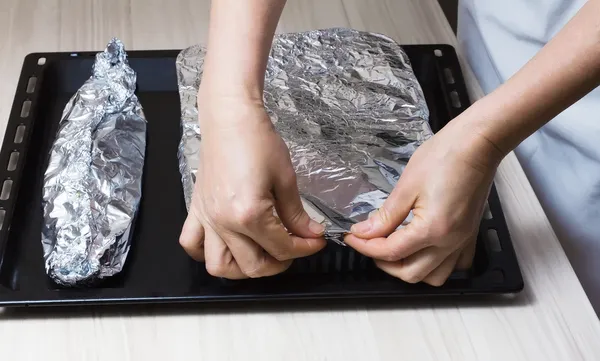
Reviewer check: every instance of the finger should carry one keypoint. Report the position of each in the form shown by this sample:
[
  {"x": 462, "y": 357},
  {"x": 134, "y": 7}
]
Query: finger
[
  {"x": 272, "y": 236},
  {"x": 192, "y": 237},
  {"x": 219, "y": 260},
  {"x": 291, "y": 211},
  {"x": 465, "y": 259},
  {"x": 394, "y": 211},
  {"x": 251, "y": 258},
  {"x": 400, "y": 244},
  {"x": 438, "y": 276},
  {"x": 416, "y": 267}
]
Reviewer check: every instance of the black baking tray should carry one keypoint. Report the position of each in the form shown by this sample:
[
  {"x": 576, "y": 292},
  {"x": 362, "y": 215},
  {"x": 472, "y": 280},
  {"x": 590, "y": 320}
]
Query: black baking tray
[{"x": 157, "y": 269}]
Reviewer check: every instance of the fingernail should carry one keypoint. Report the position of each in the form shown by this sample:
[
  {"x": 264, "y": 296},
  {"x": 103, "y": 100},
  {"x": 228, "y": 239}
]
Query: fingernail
[
  {"x": 316, "y": 227},
  {"x": 361, "y": 227}
]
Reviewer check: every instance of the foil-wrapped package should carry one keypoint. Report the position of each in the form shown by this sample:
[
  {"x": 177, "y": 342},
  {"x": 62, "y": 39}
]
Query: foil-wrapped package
[
  {"x": 348, "y": 106},
  {"x": 93, "y": 182}
]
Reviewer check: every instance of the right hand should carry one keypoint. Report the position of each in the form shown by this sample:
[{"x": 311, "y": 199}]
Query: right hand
[
  {"x": 445, "y": 185},
  {"x": 245, "y": 173}
]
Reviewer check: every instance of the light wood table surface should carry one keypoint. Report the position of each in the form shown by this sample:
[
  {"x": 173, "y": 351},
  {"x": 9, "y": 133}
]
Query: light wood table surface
[{"x": 550, "y": 320}]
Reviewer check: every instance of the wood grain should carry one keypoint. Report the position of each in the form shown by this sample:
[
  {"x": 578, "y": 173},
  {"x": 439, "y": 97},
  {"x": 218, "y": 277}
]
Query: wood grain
[{"x": 551, "y": 320}]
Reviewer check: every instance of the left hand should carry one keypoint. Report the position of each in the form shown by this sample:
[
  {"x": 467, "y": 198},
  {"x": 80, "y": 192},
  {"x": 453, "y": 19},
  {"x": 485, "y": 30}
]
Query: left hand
[
  {"x": 231, "y": 224},
  {"x": 445, "y": 184}
]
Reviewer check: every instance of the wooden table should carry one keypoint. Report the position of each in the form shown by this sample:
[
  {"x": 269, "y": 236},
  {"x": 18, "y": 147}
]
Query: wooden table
[{"x": 551, "y": 320}]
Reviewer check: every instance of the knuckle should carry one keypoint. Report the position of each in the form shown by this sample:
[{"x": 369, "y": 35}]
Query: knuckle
[
  {"x": 256, "y": 271},
  {"x": 395, "y": 253},
  {"x": 436, "y": 282},
  {"x": 282, "y": 256},
  {"x": 217, "y": 269},
  {"x": 412, "y": 277},
  {"x": 191, "y": 246},
  {"x": 265, "y": 268},
  {"x": 298, "y": 214},
  {"x": 217, "y": 215},
  {"x": 384, "y": 215},
  {"x": 242, "y": 210},
  {"x": 254, "y": 274},
  {"x": 392, "y": 256},
  {"x": 244, "y": 213},
  {"x": 184, "y": 241},
  {"x": 411, "y": 274},
  {"x": 438, "y": 230}
]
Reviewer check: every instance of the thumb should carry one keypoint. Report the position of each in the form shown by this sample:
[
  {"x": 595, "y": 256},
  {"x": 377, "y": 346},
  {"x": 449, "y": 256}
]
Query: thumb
[
  {"x": 386, "y": 219},
  {"x": 291, "y": 211},
  {"x": 192, "y": 237}
]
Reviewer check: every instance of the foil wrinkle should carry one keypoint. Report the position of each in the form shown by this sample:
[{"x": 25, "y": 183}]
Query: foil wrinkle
[
  {"x": 93, "y": 181},
  {"x": 347, "y": 104}
]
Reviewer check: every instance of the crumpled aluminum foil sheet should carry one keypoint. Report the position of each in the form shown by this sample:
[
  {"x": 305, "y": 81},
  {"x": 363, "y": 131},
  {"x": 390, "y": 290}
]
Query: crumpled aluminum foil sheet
[
  {"x": 93, "y": 182},
  {"x": 348, "y": 106}
]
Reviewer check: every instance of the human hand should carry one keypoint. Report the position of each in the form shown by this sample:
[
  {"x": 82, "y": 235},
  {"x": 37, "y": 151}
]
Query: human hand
[
  {"x": 445, "y": 184},
  {"x": 245, "y": 174}
]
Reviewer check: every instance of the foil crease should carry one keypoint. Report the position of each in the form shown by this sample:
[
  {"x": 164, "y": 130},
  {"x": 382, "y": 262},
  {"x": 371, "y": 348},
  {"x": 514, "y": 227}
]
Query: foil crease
[
  {"x": 347, "y": 104},
  {"x": 93, "y": 182}
]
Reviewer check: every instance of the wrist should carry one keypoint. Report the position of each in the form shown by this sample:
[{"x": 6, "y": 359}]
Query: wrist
[
  {"x": 229, "y": 109},
  {"x": 476, "y": 140},
  {"x": 227, "y": 73},
  {"x": 217, "y": 84},
  {"x": 220, "y": 86}
]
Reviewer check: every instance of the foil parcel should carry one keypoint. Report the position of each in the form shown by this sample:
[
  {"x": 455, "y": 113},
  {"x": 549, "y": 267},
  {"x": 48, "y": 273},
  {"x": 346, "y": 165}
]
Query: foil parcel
[
  {"x": 92, "y": 185},
  {"x": 347, "y": 104}
]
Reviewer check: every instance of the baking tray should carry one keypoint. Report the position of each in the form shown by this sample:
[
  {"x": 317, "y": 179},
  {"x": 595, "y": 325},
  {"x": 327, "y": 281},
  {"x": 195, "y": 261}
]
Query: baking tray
[{"x": 157, "y": 269}]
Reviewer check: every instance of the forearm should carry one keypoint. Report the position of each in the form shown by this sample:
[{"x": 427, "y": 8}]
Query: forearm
[
  {"x": 239, "y": 41},
  {"x": 565, "y": 70}
]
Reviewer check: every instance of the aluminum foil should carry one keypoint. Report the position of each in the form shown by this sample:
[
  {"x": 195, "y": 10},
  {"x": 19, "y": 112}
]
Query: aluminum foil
[
  {"x": 93, "y": 183},
  {"x": 349, "y": 108}
]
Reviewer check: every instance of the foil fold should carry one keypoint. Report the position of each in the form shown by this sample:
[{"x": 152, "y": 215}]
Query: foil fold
[
  {"x": 347, "y": 104},
  {"x": 93, "y": 181}
]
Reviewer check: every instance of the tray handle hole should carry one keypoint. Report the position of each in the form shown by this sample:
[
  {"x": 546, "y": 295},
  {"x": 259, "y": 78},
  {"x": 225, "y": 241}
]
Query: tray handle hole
[
  {"x": 438, "y": 53},
  {"x": 455, "y": 99},
  {"x": 25, "y": 108},
  {"x": 449, "y": 76},
  {"x": 19, "y": 134},
  {"x": 13, "y": 161},
  {"x": 41, "y": 61},
  {"x": 31, "y": 84},
  {"x": 6, "y": 187},
  {"x": 487, "y": 213},
  {"x": 2, "y": 215},
  {"x": 493, "y": 240}
]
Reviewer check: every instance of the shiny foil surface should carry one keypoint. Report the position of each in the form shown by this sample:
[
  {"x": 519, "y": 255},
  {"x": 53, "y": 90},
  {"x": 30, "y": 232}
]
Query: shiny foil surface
[
  {"x": 349, "y": 108},
  {"x": 93, "y": 182}
]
